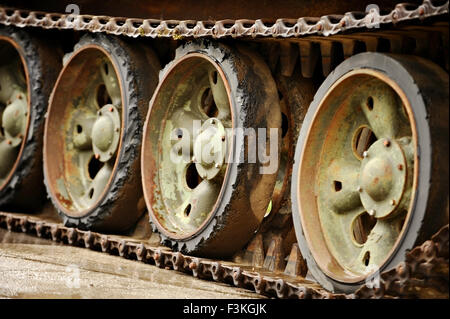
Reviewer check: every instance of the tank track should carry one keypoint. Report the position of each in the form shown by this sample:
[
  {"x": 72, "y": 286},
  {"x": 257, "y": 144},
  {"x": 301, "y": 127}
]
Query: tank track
[
  {"x": 284, "y": 28},
  {"x": 424, "y": 274},
  {"x": 425, "y": 271}
]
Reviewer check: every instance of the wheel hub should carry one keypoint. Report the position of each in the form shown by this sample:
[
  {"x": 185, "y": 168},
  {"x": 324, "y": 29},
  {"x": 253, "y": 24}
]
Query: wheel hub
[
  {"x": 106, "y": 132},
  {"x": 383, "y": 177},
  {"x": 13, "y": 116},
  {"x": 210, "y": 148}
]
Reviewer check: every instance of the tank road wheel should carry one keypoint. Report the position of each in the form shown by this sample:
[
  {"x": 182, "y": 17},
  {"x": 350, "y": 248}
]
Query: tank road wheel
[
  {"x": 371, "y": 167},
  {"x": 201, "y": 199},
  {"x": 93, "y": 133},
  {"x": 25, "y": 62}
]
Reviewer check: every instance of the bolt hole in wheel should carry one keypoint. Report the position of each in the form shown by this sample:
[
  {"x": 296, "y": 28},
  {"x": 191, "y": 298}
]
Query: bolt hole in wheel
[
  {"x": 208, "y": 104},
  {"x": 363, "y": 139},
  {"x": 94, "y": 167},
  {"x": 366, "y": 258},
  {"x": 184, "y": 193},
  {"x": 13, "y": 108},
  {"x": 370, "y": 103},
  {"x": 193, "y": 179},
  {"x": 362, "y": 226},
  {"x": 358, "y": 138},
  {"x": 337, "y": 186},
  {"x": 84, "y": 134},
  {"x": 103, "y": 97}
]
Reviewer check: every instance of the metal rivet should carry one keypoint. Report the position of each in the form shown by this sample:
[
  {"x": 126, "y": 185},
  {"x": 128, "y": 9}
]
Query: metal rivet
[
  {"x": 97, "y": 156},
  {"x": 365, "y": 154},
  {"x": 371, "y": 212},
  {"x": 9, "y": 142},
  {"x": 400, "y": 167},
  {"x": 392, "y": 202},
  {"x": 217, "y": 165},
  {"x": 19, "y": 96},
  {"x": 387, "y": 143},
  {"x": 111, "y": 109},
  {"x": 359, "y": 189},
  {"x": 193, "y": 159},
  {"x": 223, "y": 138}
]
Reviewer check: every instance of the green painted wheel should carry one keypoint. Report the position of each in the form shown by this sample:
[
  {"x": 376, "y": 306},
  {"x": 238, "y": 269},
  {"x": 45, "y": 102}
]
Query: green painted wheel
[
  {"x": 200, "y": 199},
  {"x": 23, "y": 102},
  {"x": 362, "y": 195},
  {"x": 92, "y": 136}
]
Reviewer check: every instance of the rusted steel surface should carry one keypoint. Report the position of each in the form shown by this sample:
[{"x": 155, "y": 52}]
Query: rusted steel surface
[
  {"x": 425, "y": 268},
  {"x": 283, "y": 27}
]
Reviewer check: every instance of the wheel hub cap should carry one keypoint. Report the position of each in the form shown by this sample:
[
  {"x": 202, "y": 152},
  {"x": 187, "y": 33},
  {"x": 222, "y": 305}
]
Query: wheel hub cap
[
  {"x": 382, "y": 178},
  {"x": 106, "y": 132},
  {"x": 210, "y": 148}
]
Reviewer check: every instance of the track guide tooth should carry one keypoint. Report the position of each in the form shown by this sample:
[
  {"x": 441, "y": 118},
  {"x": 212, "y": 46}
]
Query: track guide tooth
[
  {"x": 254, "y": 253},
  {"x": 309, "y": 55},
  {"x": 288, "y": 58},
  {"x": 274, "y": 260},
  {"x": 296, "y": 265},
  {"x": 331, "y": 53}
]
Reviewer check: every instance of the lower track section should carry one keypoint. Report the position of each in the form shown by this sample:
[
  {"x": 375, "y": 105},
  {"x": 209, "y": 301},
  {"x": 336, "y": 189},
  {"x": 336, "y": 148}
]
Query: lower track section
[{"x": 424, "y": 274}]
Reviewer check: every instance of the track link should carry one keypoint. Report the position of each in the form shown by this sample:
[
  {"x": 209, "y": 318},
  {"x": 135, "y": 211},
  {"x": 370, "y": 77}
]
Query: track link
[
  {"x": 424, "y": 274},
  {"x": 285, "y": 28}
]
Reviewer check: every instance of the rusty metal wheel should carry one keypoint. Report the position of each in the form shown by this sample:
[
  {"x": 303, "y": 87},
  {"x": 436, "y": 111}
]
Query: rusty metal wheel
[
  {"x": 371, "y": 167},
  {"x": 200, "y": 198},
  {"x": 28, "y": 69},
  {"x": 93, "y": 132}
]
